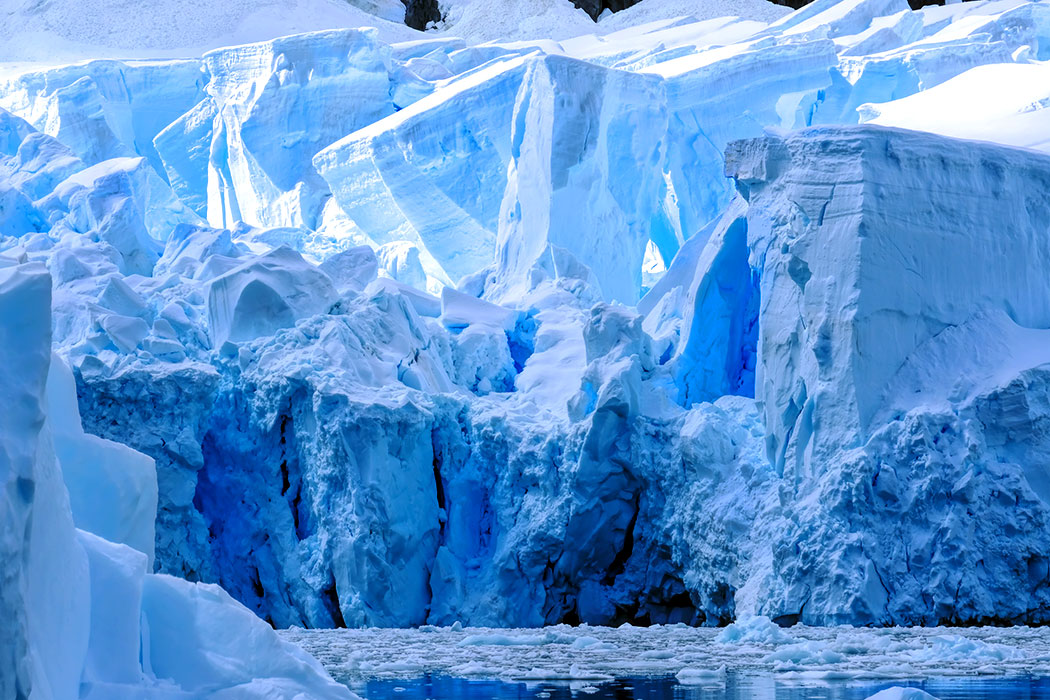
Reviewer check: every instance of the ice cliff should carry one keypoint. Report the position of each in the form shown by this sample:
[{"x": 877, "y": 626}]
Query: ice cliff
[
  {"x": 82, "y": 615},
  {"x": 648, "y": 327}
]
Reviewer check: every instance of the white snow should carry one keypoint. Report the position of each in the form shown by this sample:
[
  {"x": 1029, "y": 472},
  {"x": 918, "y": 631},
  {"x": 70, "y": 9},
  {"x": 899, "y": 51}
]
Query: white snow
[
  {"x": 71, "y": 30},
  {"x": 1014, "y": 108}
]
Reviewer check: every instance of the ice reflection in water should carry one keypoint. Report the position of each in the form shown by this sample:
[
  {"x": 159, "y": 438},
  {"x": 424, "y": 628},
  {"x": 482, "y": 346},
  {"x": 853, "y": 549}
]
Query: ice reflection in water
[{"x": 738, "y": 686}]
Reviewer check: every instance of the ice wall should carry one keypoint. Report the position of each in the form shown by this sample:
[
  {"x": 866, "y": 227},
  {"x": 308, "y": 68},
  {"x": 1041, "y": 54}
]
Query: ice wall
[
  {"x": 84, "y": 618},
  {"x": 876, "y": 412},
  {"x": 439, "y": 332}
]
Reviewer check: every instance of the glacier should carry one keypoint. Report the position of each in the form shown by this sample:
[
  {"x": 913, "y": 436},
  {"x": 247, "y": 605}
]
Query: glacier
[{"x": 694, "y": 322}]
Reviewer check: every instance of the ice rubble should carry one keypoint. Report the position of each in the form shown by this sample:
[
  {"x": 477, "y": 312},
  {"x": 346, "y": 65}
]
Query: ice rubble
[
  {"x": 770, "y": 658},
  {"x": 83, "y": 618},
  {"x": 378, "y": 314}
]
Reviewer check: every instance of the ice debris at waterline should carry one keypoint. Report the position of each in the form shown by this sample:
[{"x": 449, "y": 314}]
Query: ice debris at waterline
[
  {"x": 701, "y": 656},
  {"x": 644, "y": 328}
]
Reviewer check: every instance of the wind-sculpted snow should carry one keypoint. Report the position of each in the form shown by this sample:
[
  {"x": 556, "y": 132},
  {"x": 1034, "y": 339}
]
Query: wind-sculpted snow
[{"x": 523, "y": 334}]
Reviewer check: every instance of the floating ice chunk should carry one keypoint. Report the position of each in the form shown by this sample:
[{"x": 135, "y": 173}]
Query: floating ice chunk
[
  {"x": 700, "y": 676},
  {"x": 574, "y": 673},
  {"x": 951, "y": 647},
  {"x": 507, "y": 640},
  {"x": 804, "y": 653},
  {"x": 267, "y": 293},
  {"x": 44, "y": 586},
  {"x": 755, "y": 629},
  {"x": 206, "y": 642},
  {"x": 899, "y": 693}
]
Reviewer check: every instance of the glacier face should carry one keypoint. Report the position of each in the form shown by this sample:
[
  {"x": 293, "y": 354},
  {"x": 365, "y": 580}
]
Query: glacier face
[{"x": 529, "y": 333}]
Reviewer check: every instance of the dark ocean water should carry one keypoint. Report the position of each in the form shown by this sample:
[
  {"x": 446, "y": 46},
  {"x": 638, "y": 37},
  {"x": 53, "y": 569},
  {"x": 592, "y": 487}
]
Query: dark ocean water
[{"x": 738, "y": 686}]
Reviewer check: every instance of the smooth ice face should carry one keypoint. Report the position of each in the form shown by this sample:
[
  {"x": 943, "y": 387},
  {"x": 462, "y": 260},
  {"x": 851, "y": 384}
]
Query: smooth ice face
[
  {"x": 725, "y": 93},
  {"x": 586, "y": 145},
  {"x": 44, "y": 590},
  {"x": 265, "y": 99},
  {"x": 112, "y": 488},
  {"x": 433, "y": 173}
]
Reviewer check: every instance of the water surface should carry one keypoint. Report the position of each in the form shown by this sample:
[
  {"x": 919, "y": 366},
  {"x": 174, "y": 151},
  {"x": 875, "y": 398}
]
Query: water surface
[{"x": 737, "y": 686}]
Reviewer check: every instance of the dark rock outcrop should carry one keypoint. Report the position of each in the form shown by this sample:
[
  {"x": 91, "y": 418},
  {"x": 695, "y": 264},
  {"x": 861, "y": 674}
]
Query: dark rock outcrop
[
  {"x": 595, "y": 7},
  {"x": 420, "y": 13}
]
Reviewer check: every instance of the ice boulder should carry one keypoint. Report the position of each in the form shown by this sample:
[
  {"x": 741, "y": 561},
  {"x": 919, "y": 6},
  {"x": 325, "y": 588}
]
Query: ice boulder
[
  {"x": 31, "y": 162},
  {"x": 267, "y": 293},
  {"x": 121, "y": 202},
  {"x": 899, "y": 693},
  {"x": 351, "y": 270}
]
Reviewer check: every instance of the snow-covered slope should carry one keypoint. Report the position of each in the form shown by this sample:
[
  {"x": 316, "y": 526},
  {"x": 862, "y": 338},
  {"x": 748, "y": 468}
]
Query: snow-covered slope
[
  {"x": 581, "y": 330},
  {"x": 61, "y": 31}
]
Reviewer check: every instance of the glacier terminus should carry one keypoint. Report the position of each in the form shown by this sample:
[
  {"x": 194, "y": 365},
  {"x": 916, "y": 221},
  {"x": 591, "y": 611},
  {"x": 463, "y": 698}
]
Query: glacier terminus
[{"x": 683, "y": 321}]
